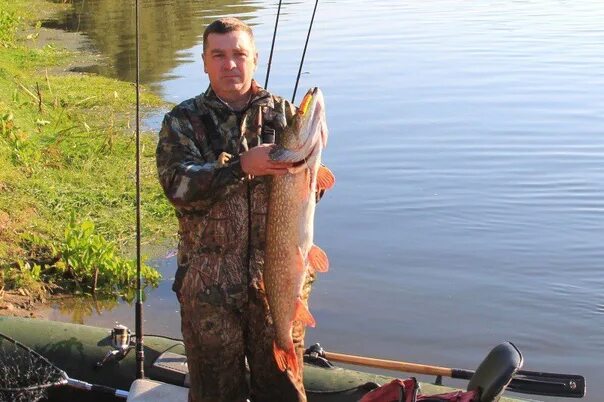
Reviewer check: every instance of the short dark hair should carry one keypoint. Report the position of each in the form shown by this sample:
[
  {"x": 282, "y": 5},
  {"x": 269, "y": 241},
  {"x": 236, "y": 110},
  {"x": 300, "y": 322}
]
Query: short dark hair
[{"x": 226, "y": 25}]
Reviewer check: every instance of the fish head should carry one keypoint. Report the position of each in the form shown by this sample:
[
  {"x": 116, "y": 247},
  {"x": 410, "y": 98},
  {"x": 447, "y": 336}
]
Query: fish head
[{"x": 307, "y": 133}]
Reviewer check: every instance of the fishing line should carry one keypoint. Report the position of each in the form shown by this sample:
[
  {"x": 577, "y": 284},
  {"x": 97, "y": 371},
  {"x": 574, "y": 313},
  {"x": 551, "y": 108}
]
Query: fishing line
[
  {"x": 304, "y": 52},
  {"x": 140, "y": 354},
  {"x": 270, "y": 57}
]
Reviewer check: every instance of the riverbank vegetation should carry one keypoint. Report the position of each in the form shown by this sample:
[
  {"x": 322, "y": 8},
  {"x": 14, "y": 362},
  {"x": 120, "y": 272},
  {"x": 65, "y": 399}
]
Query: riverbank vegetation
[{"x": 67, "y": 168}]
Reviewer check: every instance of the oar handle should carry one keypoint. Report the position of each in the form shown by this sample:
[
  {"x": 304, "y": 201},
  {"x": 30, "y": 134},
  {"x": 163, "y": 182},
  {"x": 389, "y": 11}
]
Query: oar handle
[
  {"x": 528, "y": 382},
  {"x": 389, "y": 364}
]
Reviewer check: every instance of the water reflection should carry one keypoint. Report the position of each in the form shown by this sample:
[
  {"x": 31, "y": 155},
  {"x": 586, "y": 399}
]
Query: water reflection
[
  {"x": 165, "y": 317},
  {"x": 78, "y": 309},
  {"x": 110, "y": 24}
]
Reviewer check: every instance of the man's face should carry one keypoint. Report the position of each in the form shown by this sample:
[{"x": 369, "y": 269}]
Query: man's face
[{"x": 230, "y": 61}]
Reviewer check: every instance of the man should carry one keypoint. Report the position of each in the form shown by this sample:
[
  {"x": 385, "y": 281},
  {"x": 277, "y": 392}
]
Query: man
[{"x": 213, "y": 165}]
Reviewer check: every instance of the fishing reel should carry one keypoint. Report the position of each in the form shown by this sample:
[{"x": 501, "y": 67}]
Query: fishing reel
[
  {"x": 121, "y": 340},
  {"x": 315, "y": 355}
]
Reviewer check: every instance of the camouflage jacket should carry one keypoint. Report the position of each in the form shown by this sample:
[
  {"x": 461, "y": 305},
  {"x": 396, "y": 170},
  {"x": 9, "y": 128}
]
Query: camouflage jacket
[{"x": 221, "y": 213}]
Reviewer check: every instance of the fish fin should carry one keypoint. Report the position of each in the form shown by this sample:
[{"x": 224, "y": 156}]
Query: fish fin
[
  {"x": 318, "y": 259},
  {"x": 302, "y": 314},
  {"x": 286, "y": 359},
  {"x": 300, "y": 261},
  {"x": 325, "y": 178}
]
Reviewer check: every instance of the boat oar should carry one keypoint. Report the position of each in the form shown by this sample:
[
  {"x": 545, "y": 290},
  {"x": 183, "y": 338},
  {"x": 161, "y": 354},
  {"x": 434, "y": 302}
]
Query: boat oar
[{"x": 527, "y": 382}]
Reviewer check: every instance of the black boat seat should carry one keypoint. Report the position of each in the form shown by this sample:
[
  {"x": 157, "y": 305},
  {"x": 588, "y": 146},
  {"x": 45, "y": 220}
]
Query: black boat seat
[
  {"x": 172, "y": 368},
  {"x": 143, "y": 390},
  {"x": 496, "y": 371}
]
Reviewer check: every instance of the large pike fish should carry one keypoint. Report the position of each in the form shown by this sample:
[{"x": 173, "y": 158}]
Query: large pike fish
[{"x": 290, "y": 252}]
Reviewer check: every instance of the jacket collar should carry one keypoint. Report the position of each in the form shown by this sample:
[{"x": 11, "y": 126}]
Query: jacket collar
[{"x": 260, "y": 97}]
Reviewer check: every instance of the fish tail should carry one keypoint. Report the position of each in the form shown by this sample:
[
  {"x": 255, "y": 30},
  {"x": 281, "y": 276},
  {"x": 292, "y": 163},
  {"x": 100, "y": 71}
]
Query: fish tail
[{"x": 287, "y": 359}]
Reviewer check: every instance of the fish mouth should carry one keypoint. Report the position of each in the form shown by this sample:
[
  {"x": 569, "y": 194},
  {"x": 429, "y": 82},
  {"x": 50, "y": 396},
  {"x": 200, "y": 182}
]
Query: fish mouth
[
  {"x": 311, "y": 131},
  {"x": 310, "y": 101}
]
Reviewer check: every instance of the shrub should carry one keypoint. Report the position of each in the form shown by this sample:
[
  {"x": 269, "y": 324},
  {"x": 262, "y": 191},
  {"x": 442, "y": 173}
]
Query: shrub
[
  {"x": 94, "y": 264},
  {"x": 83, "y": 261}
]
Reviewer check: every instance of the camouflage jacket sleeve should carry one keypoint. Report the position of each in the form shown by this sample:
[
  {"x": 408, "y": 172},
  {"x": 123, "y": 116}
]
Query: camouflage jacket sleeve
[{"x": 191, "y": 177}]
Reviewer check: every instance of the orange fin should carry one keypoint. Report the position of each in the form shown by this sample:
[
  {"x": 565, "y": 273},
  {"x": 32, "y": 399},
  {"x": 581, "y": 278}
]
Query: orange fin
[
  {"x": 302, "y": 314},
  {"x": 325, "y": 178},
  {"x": 286, "y": 359},
  {"x": 318, "y": 259}
]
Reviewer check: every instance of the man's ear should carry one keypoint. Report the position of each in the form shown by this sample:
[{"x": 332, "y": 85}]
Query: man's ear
[
  {"x": 255, "y": 61},
  {"x": 203, "y": 61}
]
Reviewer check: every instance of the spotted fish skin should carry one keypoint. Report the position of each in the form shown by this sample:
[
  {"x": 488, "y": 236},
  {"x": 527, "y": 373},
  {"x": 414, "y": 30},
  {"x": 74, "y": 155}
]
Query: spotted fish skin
[{"x": 290, "y": 252}]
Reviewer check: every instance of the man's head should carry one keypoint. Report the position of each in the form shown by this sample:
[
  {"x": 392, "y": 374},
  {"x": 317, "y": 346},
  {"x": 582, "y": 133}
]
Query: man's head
[{"x": 229, "y": 57}]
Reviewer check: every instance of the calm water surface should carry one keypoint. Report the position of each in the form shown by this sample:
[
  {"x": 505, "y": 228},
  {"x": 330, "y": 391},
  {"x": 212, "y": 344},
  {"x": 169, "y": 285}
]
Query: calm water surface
[{"x": 467, "y": 139}]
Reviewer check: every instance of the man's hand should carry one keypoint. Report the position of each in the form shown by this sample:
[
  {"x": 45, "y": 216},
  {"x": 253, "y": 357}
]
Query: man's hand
[{"x": 256, "y": 162}]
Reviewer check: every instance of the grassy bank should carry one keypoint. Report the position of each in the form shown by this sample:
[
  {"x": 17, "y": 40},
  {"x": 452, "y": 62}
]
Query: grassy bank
[{"x": 67, "y": 163}]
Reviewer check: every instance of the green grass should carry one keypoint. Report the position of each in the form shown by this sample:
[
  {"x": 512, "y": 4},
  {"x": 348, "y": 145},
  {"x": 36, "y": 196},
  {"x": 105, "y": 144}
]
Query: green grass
[
  {"x": 11, "y": 14},
  {"x": 67, "y": 148}
]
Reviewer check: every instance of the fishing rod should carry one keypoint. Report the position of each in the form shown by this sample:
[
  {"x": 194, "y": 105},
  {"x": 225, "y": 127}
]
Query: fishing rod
[
  {"x": 140, "y": 354},
  {"x": 304, "y": 51},
  {"x": 270, "y": 57}
]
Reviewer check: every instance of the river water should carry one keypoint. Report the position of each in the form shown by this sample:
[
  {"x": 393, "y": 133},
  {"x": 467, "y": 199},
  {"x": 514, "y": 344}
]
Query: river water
[{"x": 467, "y": 140}]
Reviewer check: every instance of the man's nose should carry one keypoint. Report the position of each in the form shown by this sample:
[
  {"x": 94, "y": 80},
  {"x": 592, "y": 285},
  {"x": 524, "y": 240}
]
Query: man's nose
[{"x": 229, "y": 64}]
